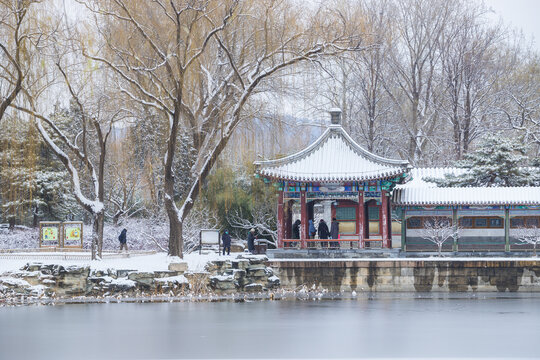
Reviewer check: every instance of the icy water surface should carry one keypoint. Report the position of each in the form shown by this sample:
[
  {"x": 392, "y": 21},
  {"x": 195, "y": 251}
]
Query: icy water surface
[{"x": 383, "y": 326}]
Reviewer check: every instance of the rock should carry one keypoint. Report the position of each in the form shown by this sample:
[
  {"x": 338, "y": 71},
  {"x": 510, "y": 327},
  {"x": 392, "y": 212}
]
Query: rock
[
  {"x": 218, "y": 266},
  {"x": 122, "y": 284},
  {"x": 238, "y": 274},
  {"x": 142, "y": 278},
  {"x": 253, "y": 288},
  {"x": 240, "y": 264},
  {"x": 123, "y": 273},
  {"x": 254, "y": 259},
  {"x": 32, "y": 267},
  {"x": 163, "y": 274},
  {"x": 223, "y": 282},
  {"x": 274, "y": 282},
  {"x": 178, "y": 266},
  {"x": 112, "y": 273}
]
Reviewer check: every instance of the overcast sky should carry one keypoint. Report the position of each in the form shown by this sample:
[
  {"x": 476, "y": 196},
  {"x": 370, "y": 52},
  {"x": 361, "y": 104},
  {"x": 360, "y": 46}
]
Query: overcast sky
[{"x": 520, "y": 14}]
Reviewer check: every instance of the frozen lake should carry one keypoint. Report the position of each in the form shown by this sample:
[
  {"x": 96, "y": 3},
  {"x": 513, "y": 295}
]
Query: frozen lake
[{"x": 395, "y": 325}]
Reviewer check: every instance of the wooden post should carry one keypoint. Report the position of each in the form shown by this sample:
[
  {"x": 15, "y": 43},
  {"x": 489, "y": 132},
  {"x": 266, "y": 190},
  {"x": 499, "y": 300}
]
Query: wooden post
[
  {"x": 384, "y": 221},
  {"x": 280, "y": 222},
  {"x": 403, "y": 229},
  {"x": 506, "y": 229},
  {"x": 303, "y": 219},
  {"x": 455, "y": 221},
  {"x": 360, "y": 220}
]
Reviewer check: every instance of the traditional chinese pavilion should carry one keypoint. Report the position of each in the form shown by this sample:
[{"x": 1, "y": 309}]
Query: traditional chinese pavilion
[{"x": 334, "y": 177}]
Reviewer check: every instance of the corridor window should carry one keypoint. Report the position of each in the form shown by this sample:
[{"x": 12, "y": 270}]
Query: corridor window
[
  {"x": 517, "y": 222},
  {"x": 496, "y": 223},
  {"x": 480, "y": 222},
  {"x": 414, "y": 223}
]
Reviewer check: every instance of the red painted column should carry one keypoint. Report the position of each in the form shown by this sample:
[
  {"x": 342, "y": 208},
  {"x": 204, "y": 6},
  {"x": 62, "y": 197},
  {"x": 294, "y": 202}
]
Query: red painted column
[
  {"x": 384, "y": 220},
  {"x": 304, "y": 219},
  {"x": 360, "y": 219},
  {"x": 280, "y": 221}
]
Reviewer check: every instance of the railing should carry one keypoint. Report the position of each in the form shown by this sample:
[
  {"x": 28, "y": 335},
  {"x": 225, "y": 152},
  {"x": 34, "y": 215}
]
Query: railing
[{"x": 323, "y": 244}]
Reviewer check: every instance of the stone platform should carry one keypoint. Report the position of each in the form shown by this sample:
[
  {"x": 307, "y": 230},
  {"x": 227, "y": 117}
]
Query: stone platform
[{"x": 411, "y": 275}]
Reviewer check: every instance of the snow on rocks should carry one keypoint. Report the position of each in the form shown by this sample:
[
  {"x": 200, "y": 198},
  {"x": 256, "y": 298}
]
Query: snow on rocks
[
  {"x": 139, "y": 278},
  {"x": 247, "y": 273}
]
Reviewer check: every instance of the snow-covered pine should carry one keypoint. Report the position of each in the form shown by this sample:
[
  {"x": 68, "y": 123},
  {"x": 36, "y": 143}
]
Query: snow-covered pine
[{"x": 497, "y": 161}]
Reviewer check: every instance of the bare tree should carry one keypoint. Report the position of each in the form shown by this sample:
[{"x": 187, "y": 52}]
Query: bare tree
[
  {"x": 438, "y": 230},
  {"x": 262, "y": 220},
  {"x": 79, "y": 137},
  {"x": 15, "y": 41},
  {"x": 198, "y": 63},
  {"x": 528, "y": 236}
]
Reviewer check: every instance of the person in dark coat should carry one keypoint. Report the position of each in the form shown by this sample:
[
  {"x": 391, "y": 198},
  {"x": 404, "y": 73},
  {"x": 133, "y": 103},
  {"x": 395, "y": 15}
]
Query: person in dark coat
[
  {"x": 251, "y": 240},
  {"x": 226, "y": 241},
  {"x": 123, "y": 240},
  {"x": 334, "y": 233},
  {"x": 295, "y": 231},
  {"x": 312, "y": 232},
  {"x": 323, "y": 233}
]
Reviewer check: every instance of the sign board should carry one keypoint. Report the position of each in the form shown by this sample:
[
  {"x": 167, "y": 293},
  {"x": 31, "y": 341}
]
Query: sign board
[
  {"x": 73, "y": 234},
  {"x": 68, "y": 234},
  {"x": 209, "y": 239},
  {"x": 49, "y": 233}
]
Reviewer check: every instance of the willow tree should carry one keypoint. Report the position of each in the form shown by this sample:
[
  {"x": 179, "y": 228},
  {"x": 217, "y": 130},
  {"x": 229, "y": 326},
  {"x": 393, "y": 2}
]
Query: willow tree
[
  {"x": 19, "y": 37},
  {"x": 200, "y": 64}
]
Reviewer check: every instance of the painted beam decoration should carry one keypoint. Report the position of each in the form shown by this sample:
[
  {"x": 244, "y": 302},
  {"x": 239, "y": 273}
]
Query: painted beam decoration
[{"x": 346, "y": 190}]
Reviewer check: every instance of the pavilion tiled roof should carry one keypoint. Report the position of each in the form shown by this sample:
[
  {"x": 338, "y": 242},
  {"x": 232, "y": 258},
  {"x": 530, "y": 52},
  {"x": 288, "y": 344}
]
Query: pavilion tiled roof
[{"x": 334, "y": 156}]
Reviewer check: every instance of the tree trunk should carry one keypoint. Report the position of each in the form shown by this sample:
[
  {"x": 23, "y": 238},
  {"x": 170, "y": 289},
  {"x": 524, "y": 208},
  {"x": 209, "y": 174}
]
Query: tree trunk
[
  {"x": 176, "y": 242},
  {"x": 97, "y": 236}
]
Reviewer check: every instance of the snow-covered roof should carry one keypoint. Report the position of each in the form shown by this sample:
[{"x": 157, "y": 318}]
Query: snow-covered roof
[
  {"x": 420, "y": 192},
  {"x": 467, "y": 196},
  {"x": 419, "y": 176},
  {"x": 334, "y": 156}
]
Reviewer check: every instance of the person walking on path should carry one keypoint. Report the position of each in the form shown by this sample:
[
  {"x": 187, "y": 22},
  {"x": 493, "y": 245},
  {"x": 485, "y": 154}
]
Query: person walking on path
[
  {"x": 323, "y": 233},
  {"x": 334, "y": 233},
  {"x": 123, "y": 240},
  {"x": 226, "y": 241},
  {"x": 251, "y": 240}
]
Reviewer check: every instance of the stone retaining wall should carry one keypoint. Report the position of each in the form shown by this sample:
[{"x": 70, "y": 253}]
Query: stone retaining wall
[{"x": 406, "y": 275}]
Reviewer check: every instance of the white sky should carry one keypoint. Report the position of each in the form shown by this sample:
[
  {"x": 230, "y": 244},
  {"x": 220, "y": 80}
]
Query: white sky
[{"x": 520, "y": 14}]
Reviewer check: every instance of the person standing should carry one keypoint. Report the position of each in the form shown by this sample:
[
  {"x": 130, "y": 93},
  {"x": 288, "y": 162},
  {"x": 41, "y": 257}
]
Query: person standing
[
  {"x": 334, "y": 233},
  {"x": 251, "y": 240},
  {"x": 123, "y": 240},
  {"x": 312, "y": 232},
  {"x": 323, "y": 233},
  {"x": 226, "y": 241},
  {"x": 295, "y": 232}
]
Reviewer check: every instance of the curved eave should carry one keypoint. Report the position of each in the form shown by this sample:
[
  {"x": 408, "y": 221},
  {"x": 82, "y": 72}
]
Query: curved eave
[
  {"x": 332, "y": 129},
  {"x": 324, "y": 179}
]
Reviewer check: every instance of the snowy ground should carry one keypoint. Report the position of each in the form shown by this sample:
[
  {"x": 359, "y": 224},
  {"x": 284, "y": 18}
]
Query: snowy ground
[{"x": 155, "y": 262}]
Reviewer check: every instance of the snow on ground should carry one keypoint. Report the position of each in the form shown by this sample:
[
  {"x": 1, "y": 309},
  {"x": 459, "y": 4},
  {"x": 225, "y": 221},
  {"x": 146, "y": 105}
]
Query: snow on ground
[{"x": 146, "y": 263}]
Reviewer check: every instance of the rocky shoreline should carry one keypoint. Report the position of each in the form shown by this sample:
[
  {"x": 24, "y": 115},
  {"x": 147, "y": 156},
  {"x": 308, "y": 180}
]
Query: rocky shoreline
[{"x": 247, "y": 276}]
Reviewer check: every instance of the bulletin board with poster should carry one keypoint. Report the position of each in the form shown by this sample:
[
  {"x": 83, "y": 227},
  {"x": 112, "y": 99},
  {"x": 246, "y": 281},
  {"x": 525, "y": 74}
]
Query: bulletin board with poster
[
  {"x": 73, "y": 234},
  {"x": 50, "y": 233}
]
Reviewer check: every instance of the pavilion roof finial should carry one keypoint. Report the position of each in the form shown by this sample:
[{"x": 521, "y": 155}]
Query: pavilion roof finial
[{"x": 335, "y": 114}]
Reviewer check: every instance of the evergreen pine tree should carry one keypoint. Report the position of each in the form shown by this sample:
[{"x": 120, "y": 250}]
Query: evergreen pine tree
[{"x": 498, "y": 161}]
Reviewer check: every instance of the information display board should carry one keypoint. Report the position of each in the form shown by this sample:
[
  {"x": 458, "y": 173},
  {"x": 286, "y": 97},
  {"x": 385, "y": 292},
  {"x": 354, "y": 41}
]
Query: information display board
[
  {"x": 58, "y": 234},
  {"x": 73, "y": 234},
  {"x": 49, "y": 233}
]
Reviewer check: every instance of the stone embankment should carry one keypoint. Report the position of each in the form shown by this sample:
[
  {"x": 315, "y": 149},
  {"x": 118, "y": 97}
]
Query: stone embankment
[
  {"x": 435, "y": 275},
  {"x": 37, "y": 281}
]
